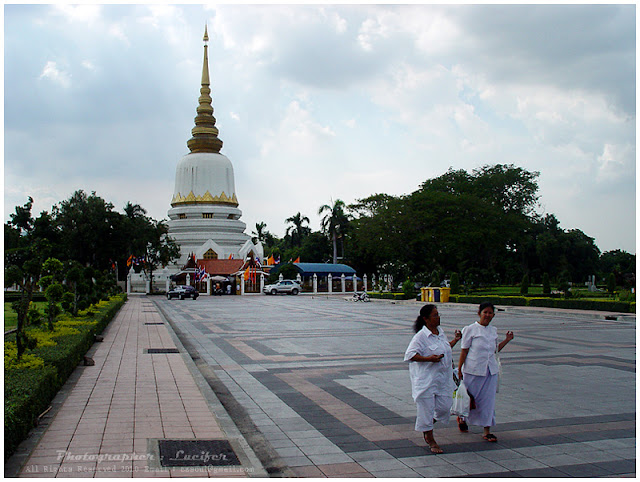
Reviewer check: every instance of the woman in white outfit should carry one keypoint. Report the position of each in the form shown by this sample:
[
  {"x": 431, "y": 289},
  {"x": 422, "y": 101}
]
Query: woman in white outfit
[
  {"x": 479, "y": 366},
  {"x": 429, "y": 356}
]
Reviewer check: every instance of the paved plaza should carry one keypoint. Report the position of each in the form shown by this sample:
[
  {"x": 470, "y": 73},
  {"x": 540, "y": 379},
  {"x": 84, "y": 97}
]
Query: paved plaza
[
  {"x": 315, "y": 386},
  {"x": 318, "y": 386}
]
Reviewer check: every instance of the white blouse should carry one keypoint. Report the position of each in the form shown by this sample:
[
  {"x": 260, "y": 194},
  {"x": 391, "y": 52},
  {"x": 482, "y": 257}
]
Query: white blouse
[
  {"x": 429, "y": 377},
  {"x": 482, "y": 342}
]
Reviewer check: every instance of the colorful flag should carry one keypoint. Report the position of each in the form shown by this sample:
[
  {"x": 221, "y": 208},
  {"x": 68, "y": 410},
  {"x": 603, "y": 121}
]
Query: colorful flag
[
  {"x": 297, "y": 260},
  {"x": 258, "y": 263}
]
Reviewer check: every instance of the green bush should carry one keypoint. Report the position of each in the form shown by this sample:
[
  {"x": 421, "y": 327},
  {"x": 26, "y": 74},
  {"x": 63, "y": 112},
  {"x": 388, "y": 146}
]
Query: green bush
[
  {"x": 32, "y": 382},
  {"x": 389, "y": 296},
  {"x": 546, "y": 284},
  {"x": 548, "y": 302},
  {"x": 524, "y": 286},
  {"x": 455, "y": 284}
]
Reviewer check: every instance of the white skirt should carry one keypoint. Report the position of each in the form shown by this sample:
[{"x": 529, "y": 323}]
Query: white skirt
[{"x": 483, "y": 390}]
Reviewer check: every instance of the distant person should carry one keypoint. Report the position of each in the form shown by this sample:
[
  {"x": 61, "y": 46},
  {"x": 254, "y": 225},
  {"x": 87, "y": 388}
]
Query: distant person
[
  {"x": 479, "y": 366},
  {"x": 431, "y": 371},
  {"x": 229, "y": 289}
]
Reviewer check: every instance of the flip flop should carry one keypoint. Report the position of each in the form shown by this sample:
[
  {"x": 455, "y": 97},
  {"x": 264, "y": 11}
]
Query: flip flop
[{"x": 490, "y": 437}]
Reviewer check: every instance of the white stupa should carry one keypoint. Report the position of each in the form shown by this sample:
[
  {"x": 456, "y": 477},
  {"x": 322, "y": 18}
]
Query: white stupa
[{"x": 204, "y": 218}]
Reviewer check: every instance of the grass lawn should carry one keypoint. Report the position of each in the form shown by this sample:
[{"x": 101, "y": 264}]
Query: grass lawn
[{"x": 11, "y": 317}]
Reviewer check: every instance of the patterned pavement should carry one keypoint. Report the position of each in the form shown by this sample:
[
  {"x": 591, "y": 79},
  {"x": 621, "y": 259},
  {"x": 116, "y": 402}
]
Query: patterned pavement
[{"x": 318, "y": 387}]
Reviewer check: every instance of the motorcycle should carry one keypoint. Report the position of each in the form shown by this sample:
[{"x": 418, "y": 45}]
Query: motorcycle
[{"x": 364, "y": 297}]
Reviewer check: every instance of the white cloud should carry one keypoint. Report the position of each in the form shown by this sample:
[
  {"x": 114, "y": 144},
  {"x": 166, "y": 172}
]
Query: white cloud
[
  {"x": 86, "y": 14},
  {"x": 52, "y": 72},
  {"x": 616, "y": 162},
  {"x": 329, "y": 101}
]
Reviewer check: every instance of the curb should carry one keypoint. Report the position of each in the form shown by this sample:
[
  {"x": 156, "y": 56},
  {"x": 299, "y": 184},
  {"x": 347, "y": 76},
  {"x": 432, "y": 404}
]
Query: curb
[{"x": 241, "y": 446}]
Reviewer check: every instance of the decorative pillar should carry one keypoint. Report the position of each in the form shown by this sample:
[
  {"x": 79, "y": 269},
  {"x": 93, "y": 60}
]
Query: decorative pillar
[
  {"x": 208, "y": 285},
  {"x": 315, "y": 283},
  {"x": 343, "y": 283},
  {"x": 280, "y": 278},
  {"x": 242, "y": 284},
  {"x": 188, "y": 279},
  {"x": 330, "y": 282},
  {"x": 299, "y": 279},
  {"x": 364, "y": 281},
  {"x": 168, "y": 284},
  {"x": 261, "y": 282},
  {"x": 129, "y": 282},
  {"x": 355, "y": 283}
]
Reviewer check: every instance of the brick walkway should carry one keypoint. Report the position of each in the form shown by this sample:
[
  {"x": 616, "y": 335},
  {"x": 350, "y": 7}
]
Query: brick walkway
[{"x": 109, "y": 417}]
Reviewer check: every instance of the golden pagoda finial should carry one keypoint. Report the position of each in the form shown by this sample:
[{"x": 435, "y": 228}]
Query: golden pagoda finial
[{"x": 205, "y": 133}]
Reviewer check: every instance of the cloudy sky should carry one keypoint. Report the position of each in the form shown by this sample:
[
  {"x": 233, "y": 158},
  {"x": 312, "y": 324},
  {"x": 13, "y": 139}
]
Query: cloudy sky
[{"x": 318, "y": 103}]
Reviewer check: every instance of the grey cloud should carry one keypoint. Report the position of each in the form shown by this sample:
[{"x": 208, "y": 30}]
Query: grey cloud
[{"x": 556, "y": 44}]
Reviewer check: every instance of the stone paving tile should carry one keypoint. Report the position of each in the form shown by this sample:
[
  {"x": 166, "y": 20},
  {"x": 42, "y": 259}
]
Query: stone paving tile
[{"x": 341, "y": 392}]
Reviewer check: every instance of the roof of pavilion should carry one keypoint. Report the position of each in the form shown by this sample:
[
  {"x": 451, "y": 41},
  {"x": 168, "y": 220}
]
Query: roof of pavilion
[
  {"x": 223, "y": 267},
  {"x": 323, "y": 269}
]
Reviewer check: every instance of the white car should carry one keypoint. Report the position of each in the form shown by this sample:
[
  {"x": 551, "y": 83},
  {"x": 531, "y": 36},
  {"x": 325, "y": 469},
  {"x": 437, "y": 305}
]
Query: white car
[{"x": 285, "y": 286}]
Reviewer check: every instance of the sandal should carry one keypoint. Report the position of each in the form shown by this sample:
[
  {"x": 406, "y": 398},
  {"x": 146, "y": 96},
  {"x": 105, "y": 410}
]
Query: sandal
[
  {"x": 490, "y": 437},
  {"x": 462, "y": 425},
  {"x": 434, "y": 447}
]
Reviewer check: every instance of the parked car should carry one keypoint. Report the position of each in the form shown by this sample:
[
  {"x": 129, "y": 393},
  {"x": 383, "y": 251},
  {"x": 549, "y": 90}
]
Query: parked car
[
  {"x": 285, "y": 286},
  {"x": 183, "y": 292}
]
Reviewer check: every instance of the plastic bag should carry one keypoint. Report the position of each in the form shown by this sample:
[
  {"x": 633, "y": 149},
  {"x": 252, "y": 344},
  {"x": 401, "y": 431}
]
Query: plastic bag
[{"x": 461, "y": 401}]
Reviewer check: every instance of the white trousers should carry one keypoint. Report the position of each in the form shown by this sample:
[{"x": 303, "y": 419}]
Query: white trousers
[{"x": 430, "y": 407}]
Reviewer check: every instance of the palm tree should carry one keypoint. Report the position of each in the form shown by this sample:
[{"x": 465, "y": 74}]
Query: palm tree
[
  {"x": 260, "y": 233},
  {"x": 134, "y": 210},
  {"x": 298, "y": 231},
  {"x": 334, "y": 223}
]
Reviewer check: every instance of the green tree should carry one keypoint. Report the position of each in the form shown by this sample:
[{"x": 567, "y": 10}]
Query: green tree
[
  {"x": 53, "y": 291},
  {"x": 611, "y": 283},
  {"x": 22, "y": 265},
  {"x": 334, "y": 223},
  {"x": 455, "y": 283},
  {"x": 161, "y": 249},
  {"x": 524, "y": 285},
  {"x": 546, "y": 284},
  {"x": 297, "y": 231},
  {"x": 88, "y": 228},
  {"x": 259, "y": 235}
]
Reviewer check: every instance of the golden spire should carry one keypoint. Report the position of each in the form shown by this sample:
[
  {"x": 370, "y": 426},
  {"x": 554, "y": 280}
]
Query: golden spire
[{"x": 205, "y": 133}]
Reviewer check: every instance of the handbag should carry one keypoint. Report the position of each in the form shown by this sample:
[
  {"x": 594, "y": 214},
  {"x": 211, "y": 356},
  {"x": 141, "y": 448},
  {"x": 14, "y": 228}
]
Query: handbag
[{"x": 461, "y": 401}]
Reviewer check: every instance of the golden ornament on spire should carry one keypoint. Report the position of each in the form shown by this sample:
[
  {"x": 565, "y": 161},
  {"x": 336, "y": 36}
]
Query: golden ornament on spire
[{"x": 205, "y": 133}]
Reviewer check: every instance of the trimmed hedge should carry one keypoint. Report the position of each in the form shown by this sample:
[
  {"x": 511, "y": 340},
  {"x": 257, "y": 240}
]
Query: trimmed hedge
[
  {"x": 561, "y": 303},
  {"x": 15, "y": 296},
  {"x": 29, "y": 391},
  {"x": 389, "y": 296}
]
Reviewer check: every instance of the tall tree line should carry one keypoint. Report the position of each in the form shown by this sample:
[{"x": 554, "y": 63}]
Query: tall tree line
[{"x": 483, "y": 225}]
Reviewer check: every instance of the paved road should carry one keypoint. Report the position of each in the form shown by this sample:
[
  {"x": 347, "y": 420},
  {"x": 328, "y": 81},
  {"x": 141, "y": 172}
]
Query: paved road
[{"x": 318, "y": 387}]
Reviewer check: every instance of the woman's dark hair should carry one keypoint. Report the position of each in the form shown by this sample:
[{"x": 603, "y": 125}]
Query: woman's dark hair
[
  {"x": 425, "y": 312},
  {"x": 486, "y": 304}
]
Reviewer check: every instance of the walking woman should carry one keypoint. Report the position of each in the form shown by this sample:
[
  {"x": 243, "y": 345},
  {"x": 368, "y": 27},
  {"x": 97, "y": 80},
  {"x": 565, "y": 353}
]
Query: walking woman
[
  {"x": 429, "y": 356},
  {"x": 479, "y": 366}
]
